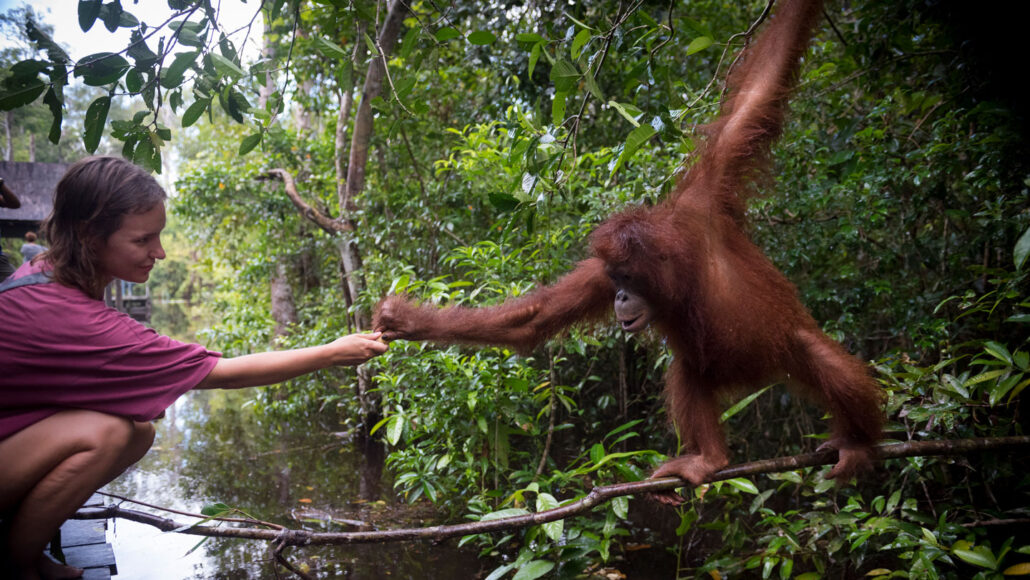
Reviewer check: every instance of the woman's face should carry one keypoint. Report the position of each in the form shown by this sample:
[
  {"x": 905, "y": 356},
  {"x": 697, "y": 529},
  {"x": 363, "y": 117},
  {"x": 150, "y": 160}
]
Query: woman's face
[{"x": 133, "y": 249}]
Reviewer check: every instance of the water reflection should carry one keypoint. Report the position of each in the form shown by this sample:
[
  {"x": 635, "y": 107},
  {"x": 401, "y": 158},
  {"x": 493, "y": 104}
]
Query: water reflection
[{"x": 211, "y": 448}]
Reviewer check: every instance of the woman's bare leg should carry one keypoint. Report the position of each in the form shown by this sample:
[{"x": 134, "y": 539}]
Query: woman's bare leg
[{"x": 50, "y": 469}]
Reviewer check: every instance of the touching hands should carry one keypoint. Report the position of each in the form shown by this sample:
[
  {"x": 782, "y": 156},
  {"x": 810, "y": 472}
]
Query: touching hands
[
  {"x": 355, "y": 349},
  {"x": 396, "y": 318}
]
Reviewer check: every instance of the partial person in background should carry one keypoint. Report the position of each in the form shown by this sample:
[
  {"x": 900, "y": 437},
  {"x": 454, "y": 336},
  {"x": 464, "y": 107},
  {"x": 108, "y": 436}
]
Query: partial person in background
[
  {"x": 30, "y": 249},
  {"x": 7, "y": 199}
]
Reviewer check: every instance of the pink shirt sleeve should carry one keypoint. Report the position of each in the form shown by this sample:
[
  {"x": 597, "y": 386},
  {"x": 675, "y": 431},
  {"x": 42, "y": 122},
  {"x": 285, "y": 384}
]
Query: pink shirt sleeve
[{"x": 64, "y": 350}]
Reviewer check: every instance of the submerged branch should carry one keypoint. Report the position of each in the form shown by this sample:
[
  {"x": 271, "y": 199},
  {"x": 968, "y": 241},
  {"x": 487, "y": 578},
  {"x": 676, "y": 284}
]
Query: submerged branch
[{"x": 597, "y": 496}]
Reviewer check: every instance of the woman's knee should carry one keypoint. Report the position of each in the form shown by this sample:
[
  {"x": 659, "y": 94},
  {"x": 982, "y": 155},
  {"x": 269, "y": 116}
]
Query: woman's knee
[
  {"x": 140, "y": 442},
  {"x": 99, "y": 431}
]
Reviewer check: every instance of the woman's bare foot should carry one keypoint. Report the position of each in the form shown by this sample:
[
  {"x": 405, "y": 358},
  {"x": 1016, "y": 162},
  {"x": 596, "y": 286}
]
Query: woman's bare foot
[{"x": 52, "y": 570}]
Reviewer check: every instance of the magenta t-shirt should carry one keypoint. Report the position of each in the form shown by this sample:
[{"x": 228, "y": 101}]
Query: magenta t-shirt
[{"x": 61, "y": 349}]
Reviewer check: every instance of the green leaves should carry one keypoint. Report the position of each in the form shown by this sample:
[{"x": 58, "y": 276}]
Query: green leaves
[
  {"x": 249, "y": 143},
  {"x": 481, "y": 37},
  {"x": 980, "y": 556},
  {"x": 96, "y": 118},
  {"x": 225, "y": 67},
  {"x": 102, "y": 68},
  {"x": 20, "y": 91},
  {"x": 476, "y": 37},
  {"x": 634, "y": 142},
  {"x": 175, "y": 74},
  {"x": 330, "y": 49},
  {"x": 698, "y": 44},
  {"x": 446, "y": 34},
  {"x": 89, "y": 10},
  {"x": 1022, "y": 250},
  {"x": 533, "y": 570},
  {"x": 564, "y": 75},
  {"x": 194, "y": 111}
]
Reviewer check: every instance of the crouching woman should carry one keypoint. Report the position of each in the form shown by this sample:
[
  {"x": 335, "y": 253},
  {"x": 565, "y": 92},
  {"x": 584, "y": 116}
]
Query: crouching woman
[{"x": 79, "y": 382}]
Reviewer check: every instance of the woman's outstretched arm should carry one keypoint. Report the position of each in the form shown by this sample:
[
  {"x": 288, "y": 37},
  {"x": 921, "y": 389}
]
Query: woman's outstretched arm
[{"x": 268, "y": 368}]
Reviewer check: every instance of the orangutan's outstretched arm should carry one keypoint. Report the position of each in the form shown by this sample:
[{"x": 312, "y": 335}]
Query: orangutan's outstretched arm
[{"x": 584, "y": 294}]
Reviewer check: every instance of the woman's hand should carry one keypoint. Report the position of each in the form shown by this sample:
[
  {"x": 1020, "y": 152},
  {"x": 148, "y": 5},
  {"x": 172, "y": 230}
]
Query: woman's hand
[{"x": 355, "y": 349}]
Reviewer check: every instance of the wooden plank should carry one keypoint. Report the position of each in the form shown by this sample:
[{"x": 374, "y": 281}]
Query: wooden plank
[
  {"x": 92, "y": 556},
  {"x": 97, "y": 574},
  {"x": 83, "y": 532},
  {"x": 95, "y": 500},
  {"x": 84, "y": 545}
]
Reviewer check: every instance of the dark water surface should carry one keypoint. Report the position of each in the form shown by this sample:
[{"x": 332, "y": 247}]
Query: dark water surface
[{"x": 212, "y": 448}]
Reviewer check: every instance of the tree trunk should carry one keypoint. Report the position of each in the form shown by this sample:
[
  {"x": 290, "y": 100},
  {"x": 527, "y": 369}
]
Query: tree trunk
[
  {"x": 344, "y": 228},
  {"x": 371, "y": 404},
  {"x": 284, "y": 309}
]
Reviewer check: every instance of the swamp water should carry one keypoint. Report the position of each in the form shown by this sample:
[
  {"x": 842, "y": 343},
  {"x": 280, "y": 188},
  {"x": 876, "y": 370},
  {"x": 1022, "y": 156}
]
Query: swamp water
[{"x": 211, "y": 448}]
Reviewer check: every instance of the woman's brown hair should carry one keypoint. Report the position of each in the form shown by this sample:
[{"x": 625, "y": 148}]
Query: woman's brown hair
[{"x": 90, "y": 201}]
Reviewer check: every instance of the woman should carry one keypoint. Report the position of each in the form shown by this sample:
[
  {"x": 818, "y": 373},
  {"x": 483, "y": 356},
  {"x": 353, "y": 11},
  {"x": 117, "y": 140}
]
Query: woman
[
  {"x": 30, "y": 249},
  {"x": 79, "y": 382}
]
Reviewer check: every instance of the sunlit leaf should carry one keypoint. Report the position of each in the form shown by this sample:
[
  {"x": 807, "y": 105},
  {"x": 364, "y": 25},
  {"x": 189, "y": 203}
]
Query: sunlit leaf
[
  {"x": 742, "y": 404},
  {"x": 1022, "y": 569},
  {"x": 636, "y": 139},
  {"x": 503, "y": 514},
  {"x": 978, "y": 557},
  {"x": 743, "y": 484},
  {"x": 998, "y": 351},
  {"x": 544, "y": 502},
  {"x": 628, "y": 112},
  {"x": 579, "y": 42},
  {"x": 330, "y": 49},
  {"x": 394, "y": 429},
  {"x": 446, "y": 33},
  {"x": 215, "y": 509},
  {"x": 533, "y": 570},
  {"x": 620, "y": 505},
  {"x": 1022, "y": 250},
  {"x": 481, "y": 37},
  {"x": 226, "y": 67},
  {"x": 498, "y": 572},
  {"x": 249, "y": 143},
  {"x": 529, "y": 37},
  {"x": 194, "y": 111},
  {"x": 698, "y": 44}
]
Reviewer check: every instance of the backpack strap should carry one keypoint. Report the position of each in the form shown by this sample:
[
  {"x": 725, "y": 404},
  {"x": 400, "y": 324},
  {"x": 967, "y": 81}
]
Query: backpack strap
[{"x": 37, "y": 278}]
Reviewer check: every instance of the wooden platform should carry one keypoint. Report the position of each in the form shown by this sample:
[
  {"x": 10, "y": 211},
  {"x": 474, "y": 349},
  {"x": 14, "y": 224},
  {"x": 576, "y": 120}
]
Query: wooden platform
[{"x": 84, "y": 544}]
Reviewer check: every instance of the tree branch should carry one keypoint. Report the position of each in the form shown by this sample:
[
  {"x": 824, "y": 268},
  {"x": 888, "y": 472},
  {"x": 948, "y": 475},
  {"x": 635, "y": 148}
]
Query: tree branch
[
  {"x": 597, "y": 496},
  {"x": 323, "y": 221}
]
